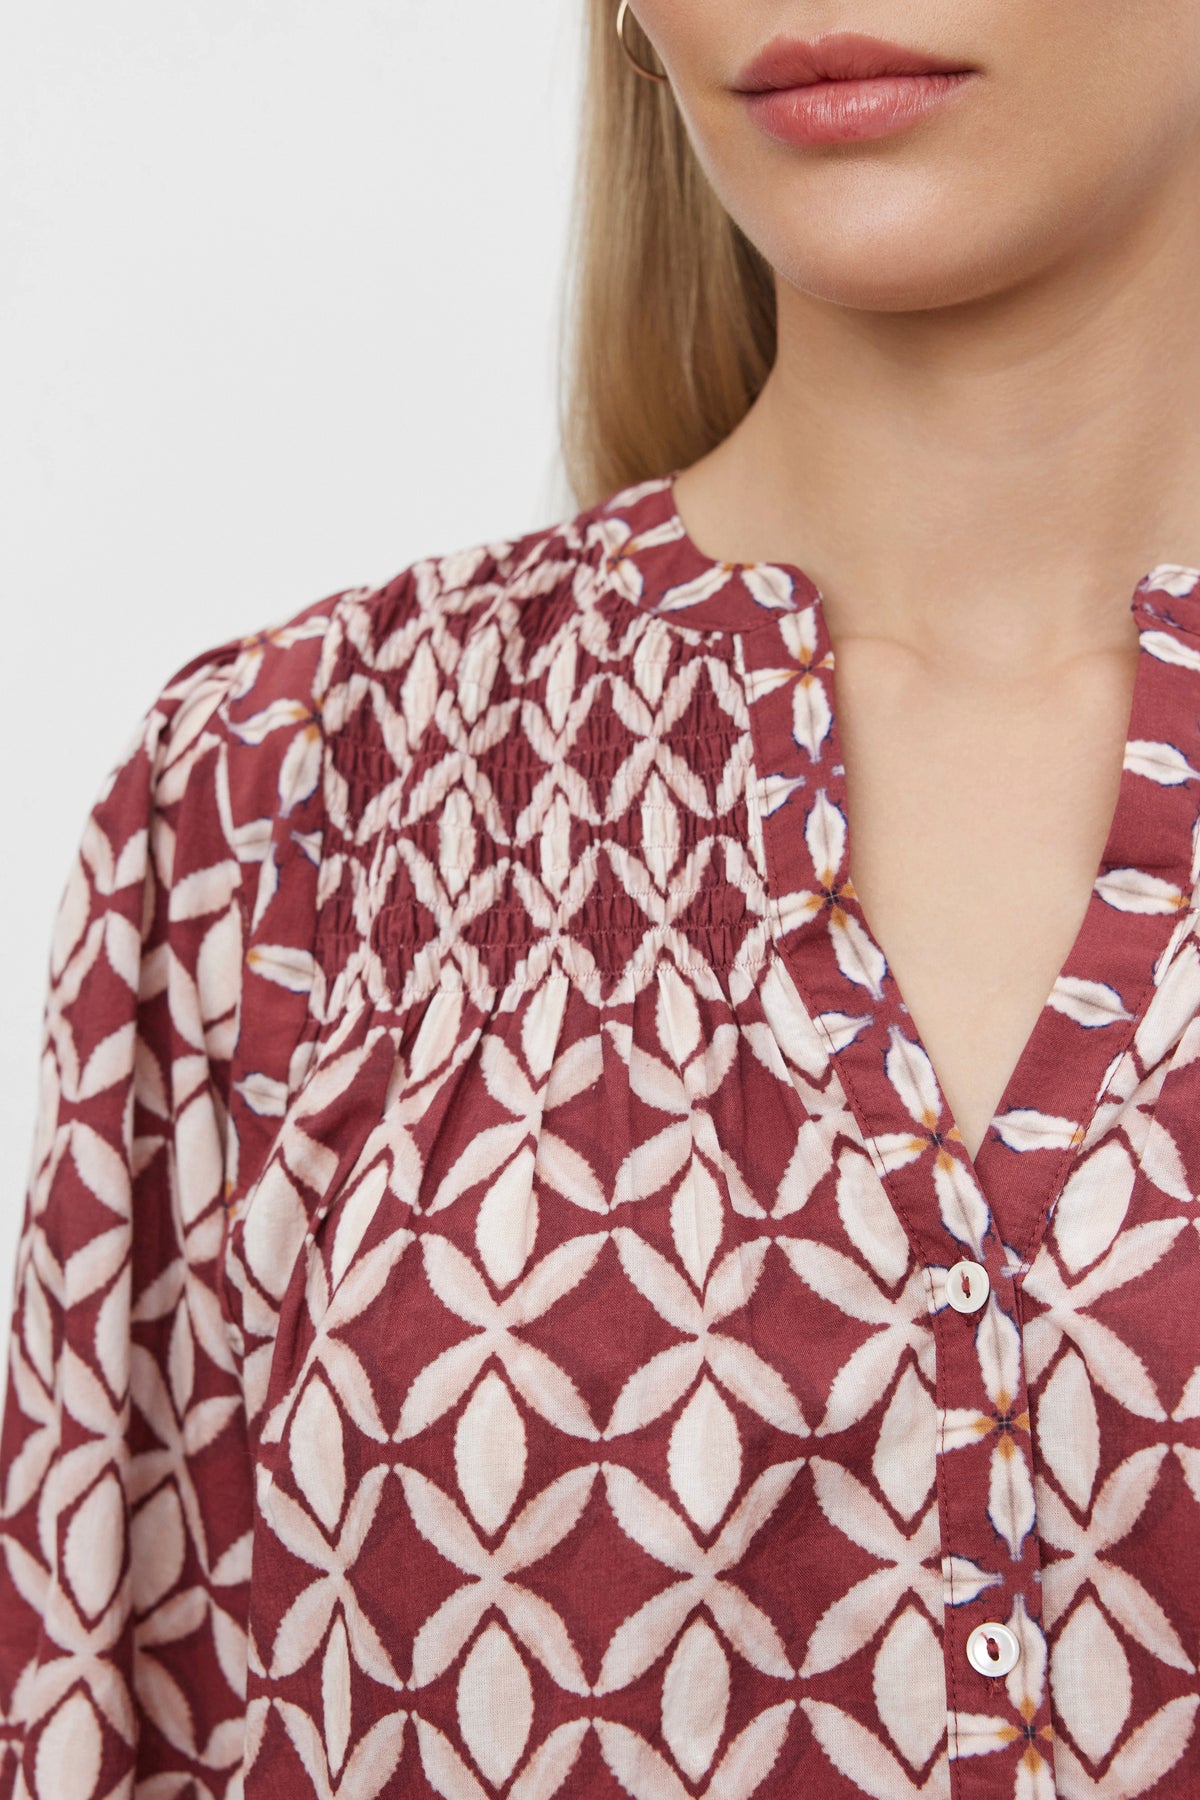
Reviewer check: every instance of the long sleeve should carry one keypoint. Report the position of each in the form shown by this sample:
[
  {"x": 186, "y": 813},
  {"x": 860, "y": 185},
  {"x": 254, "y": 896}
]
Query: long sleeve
[{"x": 176, "y": 1012}]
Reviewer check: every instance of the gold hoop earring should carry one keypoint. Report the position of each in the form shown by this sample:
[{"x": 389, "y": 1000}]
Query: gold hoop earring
[{"x": 651, "y": 74}]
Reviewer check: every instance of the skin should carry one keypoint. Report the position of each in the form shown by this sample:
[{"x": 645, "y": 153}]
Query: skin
[{"x": 980, "y": 432}]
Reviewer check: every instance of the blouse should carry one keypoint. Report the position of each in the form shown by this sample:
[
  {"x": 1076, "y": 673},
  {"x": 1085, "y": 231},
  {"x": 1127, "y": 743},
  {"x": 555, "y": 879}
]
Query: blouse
[{"x": 503, "y": 1307}]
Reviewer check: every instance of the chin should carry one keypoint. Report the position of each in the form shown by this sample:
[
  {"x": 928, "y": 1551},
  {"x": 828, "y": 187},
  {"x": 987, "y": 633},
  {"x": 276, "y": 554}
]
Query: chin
[{"x": 916, "y": 268}]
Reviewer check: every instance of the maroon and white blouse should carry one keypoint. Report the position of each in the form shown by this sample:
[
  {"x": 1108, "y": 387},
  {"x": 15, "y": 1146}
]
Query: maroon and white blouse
[{"x": 503, "y": 1308}]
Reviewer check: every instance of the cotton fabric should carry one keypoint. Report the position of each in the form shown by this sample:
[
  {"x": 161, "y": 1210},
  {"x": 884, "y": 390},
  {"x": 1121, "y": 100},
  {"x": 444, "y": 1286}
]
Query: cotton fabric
[{"x": 481, "y": 1318}]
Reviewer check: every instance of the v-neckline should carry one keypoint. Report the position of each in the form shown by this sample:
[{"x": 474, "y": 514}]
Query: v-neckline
[
  {"x": 1143, "y": 889},
  {"x": 1139, "y": 909}
]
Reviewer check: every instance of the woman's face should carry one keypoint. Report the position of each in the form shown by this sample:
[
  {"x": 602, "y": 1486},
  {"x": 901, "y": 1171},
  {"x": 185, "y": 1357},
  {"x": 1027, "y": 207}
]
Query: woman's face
[{"x": 1081, "y": 124}]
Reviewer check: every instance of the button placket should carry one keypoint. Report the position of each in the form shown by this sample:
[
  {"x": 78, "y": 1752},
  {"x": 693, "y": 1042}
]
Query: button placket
[
  {"x": 989, "y": 1547},
  {"x": 988, "y": 1514}
]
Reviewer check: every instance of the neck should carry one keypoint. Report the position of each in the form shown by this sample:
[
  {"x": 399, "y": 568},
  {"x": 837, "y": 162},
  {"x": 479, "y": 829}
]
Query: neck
[{"x": 990, "y": 477}]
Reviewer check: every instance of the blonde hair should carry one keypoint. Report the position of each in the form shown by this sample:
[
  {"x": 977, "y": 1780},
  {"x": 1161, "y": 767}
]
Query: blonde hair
[{"x": 669, "y": 310}]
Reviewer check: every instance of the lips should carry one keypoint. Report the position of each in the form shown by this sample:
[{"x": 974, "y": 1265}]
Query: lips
[{"x": 845, "y": 56}]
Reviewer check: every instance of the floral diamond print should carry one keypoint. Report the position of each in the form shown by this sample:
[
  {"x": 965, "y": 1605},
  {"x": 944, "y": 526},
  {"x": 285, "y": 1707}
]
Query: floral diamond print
[{"x": 482, "y": 1321}]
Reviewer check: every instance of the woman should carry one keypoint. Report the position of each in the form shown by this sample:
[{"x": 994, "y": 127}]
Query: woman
[{"x": 524, "y": 1289}]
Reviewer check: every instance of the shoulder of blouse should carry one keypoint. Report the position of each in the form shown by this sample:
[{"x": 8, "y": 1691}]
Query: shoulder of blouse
[
  {"x": 533, "y": 578},
  {"x": 249, "y": 770},
  {"x": 289, "y": 670},
  {"x": 250, "y": 719}
]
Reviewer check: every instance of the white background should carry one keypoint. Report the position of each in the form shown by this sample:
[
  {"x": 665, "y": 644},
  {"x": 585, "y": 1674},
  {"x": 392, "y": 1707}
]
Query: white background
[{"x": 279, "y": 313}]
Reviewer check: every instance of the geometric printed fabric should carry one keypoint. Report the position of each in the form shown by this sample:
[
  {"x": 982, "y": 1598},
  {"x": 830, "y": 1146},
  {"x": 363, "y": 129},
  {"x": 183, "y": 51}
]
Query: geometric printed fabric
[{"x": 483, "y": 1321}]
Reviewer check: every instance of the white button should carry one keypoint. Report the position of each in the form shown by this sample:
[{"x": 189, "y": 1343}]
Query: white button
[
  {"x": 967, "y": 1287},
  {"x": 993, "y": 1649}
]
